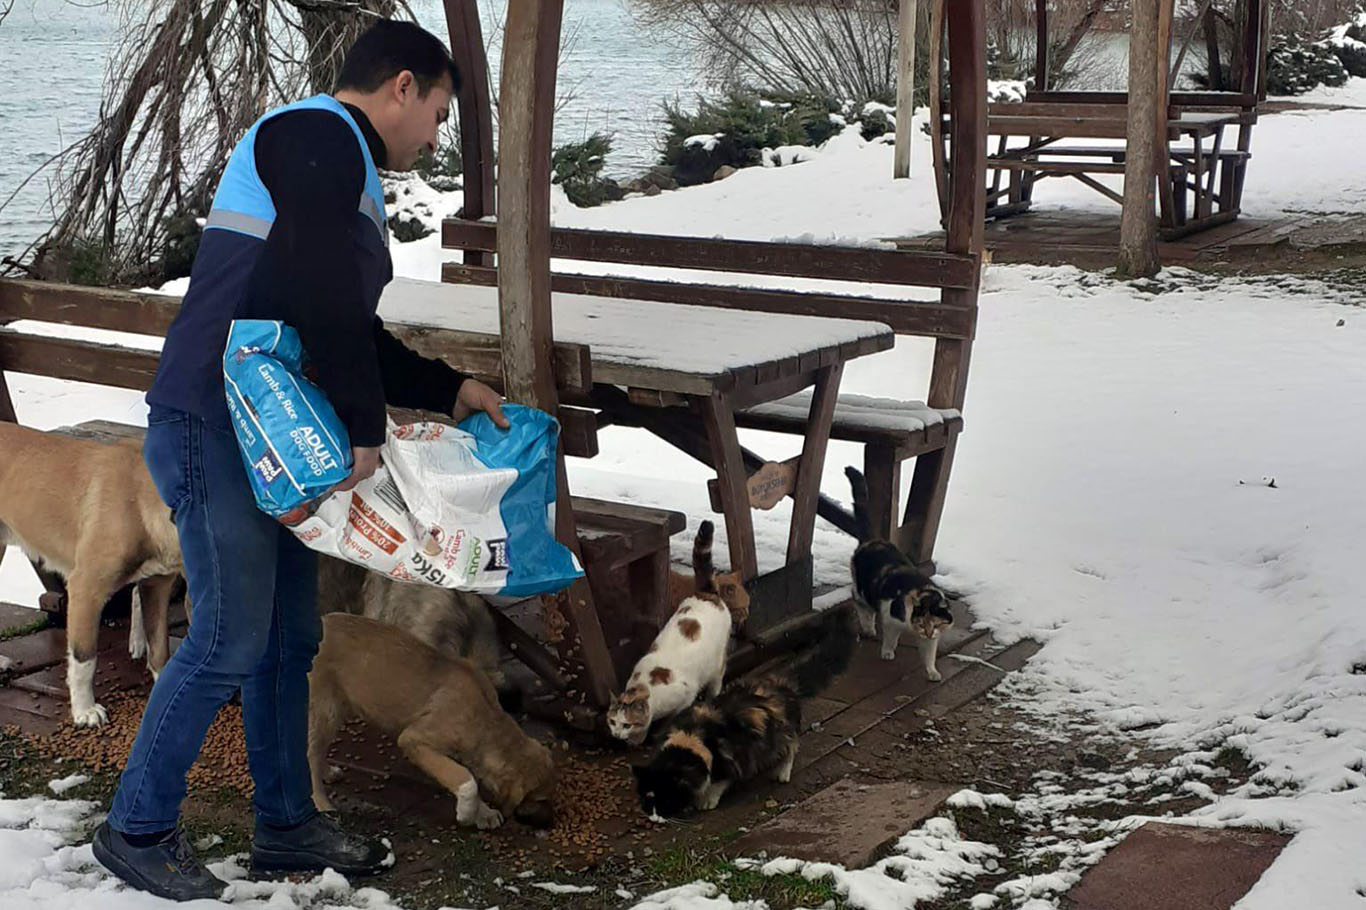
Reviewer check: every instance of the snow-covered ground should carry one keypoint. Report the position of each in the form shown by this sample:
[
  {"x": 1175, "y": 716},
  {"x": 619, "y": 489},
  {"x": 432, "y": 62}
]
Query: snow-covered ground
[{"x": 1112, "y": 498}]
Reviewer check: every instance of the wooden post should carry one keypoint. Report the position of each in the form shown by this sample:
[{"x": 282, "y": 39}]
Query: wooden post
[
  {"x": 937, "y": 148},
  {"x": 476, "y": 114},
  {"x": 1145, "y": 142},
  {"x": 6, "y": 403},
  {"x": 531, "y": 42},
  {"x": 967, "y": 190},
  {"x": 1041, "y": 75},
  {"x": 1161, "y": 152},
  {"x": 905, "y": 87}
]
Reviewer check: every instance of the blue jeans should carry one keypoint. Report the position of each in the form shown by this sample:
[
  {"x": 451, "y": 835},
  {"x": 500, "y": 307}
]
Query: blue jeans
[{"x": 254, "y": 626}]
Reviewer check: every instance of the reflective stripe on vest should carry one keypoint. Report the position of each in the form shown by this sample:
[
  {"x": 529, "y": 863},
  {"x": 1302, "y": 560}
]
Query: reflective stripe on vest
[{"x": 242, "y": 202}]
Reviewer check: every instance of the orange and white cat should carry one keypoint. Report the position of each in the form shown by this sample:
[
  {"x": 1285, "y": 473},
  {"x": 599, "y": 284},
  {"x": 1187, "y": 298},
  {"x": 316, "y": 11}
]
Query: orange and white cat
[{"x": 688, "y": 656}]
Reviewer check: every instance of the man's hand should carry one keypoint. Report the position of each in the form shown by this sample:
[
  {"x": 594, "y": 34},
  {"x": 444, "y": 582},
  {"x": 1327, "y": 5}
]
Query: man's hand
[
  {"x": 475, "y": 396},
  {"x": 366, "y": 460}
]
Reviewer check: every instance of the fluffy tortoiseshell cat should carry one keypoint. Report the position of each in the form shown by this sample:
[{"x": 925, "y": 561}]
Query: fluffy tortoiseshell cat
[
  {"x": 749, "y": 730},
  {"x": 890, "y": 593},
  {"x": 687, "y": 658}
]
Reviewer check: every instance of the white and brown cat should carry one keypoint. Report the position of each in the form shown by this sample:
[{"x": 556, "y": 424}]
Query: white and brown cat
[
  {"x": 688, "y": 656},
  {"x": 891, "y": 595}
]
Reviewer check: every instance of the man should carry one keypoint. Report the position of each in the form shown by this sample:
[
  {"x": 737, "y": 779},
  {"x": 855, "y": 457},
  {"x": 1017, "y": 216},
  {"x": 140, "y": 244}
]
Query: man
[{"x": 296, "y": 233}]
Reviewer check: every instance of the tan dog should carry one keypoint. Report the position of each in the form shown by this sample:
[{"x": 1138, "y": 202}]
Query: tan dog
[
  {"x": 89, "y": 512},
  {"x": 444, "y": 712}
]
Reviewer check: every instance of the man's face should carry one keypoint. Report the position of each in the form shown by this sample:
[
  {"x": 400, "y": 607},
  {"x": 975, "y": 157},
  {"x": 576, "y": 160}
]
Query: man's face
[{"x": 416, "y": 120}]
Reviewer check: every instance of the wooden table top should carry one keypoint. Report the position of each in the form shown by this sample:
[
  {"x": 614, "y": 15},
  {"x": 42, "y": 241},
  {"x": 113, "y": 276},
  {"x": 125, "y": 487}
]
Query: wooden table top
[{"x": 689, "y": 350}]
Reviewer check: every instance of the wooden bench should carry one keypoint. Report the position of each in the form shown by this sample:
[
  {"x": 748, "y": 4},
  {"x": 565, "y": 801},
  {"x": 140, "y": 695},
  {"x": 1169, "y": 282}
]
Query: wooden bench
[
  {"x": 891, "y": 431},
  {"x": 618, "y": 537}
]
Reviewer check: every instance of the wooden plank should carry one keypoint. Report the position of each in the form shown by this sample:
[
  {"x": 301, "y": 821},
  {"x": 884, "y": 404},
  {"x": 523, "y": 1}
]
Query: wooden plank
[
  {"x": 529, "y": 651},
  {"x": 1078, "y": 127},
  {"x": 100, "y": 308},
  {"x": 82, "y": 361},
  {"x": 602, "y": 509},
  {"x": 718, "y": 417},
  {"x": 1099, "y": 187},
  {"x": 1182, "y": 99},
  {"x": 481, "y": 355},
  {"x": 1069, "y": 110},
  {"x": 812, "y": 463},
  {"x": 795, "y": 260},
  {"x": 474, "y": 353},
  {"x": 1057, "y": 167},
  {"x": 905, "y": 317}
]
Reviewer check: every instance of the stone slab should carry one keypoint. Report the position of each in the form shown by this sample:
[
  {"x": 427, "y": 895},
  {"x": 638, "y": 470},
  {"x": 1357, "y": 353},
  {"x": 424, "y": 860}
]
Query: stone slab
[
  {"x": 1177, "y": 867},
  {"x": 847, "y": 822},
  {"x": 14, "y": 616}
]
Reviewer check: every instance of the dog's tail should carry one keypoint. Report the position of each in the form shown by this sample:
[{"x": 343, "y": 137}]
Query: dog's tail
[
  {"x": 703, "y": 568},
  {"x": 831, "y": 654},
  {"x": 862, "y": 527}
]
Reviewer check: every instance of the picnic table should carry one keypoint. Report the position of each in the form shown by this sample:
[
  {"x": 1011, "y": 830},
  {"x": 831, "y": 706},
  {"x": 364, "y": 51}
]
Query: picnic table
[{"x": 684, "y": 372}]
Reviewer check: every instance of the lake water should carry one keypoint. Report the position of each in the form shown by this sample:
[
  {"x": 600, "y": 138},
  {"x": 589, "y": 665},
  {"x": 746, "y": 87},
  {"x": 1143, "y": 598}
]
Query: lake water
[{"x": 54, "y": 54}]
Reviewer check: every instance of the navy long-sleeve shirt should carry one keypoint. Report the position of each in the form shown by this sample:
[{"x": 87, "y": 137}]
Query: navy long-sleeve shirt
[{"x": 313, "y": 275}]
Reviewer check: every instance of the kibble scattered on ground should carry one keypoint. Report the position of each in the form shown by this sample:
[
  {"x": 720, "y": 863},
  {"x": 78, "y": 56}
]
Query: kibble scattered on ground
[{"x": 222, "y": 762}]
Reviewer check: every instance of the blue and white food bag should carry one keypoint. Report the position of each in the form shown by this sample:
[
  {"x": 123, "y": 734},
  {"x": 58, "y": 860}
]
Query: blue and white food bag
[
  {"x": 294, "y": 445},
  {"x": 469, "y": 507}
]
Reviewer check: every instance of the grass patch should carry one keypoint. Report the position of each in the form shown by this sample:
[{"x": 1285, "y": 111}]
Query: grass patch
[
  {"x": 681, "y": 865},
  {"x": 36, "y": 625}
]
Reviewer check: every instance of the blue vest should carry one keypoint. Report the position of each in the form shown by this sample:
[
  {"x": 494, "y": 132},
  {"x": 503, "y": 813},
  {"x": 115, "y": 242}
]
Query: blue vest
[{"x": 190, "y": 375}]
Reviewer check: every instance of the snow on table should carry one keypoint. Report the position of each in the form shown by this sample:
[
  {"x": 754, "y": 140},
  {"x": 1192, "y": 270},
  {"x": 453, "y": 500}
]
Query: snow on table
[{"x": 638, "y": 334}]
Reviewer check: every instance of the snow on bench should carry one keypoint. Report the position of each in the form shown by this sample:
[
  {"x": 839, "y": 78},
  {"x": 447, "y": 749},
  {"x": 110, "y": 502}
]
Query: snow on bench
[{"x": 860, "y": 418}]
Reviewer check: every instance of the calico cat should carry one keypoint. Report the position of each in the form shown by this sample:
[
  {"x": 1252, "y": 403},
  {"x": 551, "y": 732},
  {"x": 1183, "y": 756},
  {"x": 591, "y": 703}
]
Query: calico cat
[
  {"x": 749, "y": 730},
  {"x": 687, "y": 658},
  {"x": 890, "y": 593}
]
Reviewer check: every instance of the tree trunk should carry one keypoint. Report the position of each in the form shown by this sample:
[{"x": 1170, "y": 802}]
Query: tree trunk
[
  {"x": 905, "y": 87},
  {"x": 1138, "y": 227}
]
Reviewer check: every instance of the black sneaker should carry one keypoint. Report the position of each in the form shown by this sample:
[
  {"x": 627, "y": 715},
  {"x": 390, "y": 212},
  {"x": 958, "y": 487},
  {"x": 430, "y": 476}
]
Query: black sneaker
[
  {"x": 167, "y": 868},
  {"x": 317, "y": 844}
]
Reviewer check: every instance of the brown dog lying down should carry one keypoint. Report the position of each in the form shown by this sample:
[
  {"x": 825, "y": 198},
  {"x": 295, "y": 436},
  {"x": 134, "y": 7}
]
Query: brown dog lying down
[
  {"x": 444, "y": 712},
  {"x": 89, "y": 512}
]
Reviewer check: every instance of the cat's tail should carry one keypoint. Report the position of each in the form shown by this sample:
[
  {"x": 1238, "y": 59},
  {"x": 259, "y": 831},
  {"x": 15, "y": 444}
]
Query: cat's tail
[
  {"x": 702, "y": 566},
  {"x": 862, "y": 527},
  {"x": 831, "y": 654}
]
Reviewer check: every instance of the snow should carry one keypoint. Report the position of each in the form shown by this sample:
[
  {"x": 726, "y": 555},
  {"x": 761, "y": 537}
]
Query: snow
[
  {"x": 1104, "y": 501},
  {"x": 1352, "y": 94},
  {"x": 67, "y": 783},
  {"x": 628, "y": 333},
  {"x": 557, "y": 888},
  {"x": 923, "y": 862},
  {"x": 45, "y": 869},
  {"x": 865, "y": 410},
  {"x": 704, "y": 141}
]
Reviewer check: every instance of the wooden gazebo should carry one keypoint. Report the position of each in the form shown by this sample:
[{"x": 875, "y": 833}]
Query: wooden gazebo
[
  {"x": 703, "y": 420},
  {"x": 1200, "y": 175},
  {"x": 588, "y": 359}
]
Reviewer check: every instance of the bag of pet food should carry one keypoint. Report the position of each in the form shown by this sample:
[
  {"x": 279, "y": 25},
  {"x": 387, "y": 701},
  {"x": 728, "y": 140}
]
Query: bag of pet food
[
  {"x": 294, "y": 445},
  {"x": 468, "y": 507}
]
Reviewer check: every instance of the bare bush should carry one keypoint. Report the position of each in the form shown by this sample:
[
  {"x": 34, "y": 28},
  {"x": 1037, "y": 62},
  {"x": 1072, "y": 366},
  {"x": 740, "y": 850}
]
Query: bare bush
[
  {"x": 186, "y": 80},
  {"x": 834, "y": 48}
]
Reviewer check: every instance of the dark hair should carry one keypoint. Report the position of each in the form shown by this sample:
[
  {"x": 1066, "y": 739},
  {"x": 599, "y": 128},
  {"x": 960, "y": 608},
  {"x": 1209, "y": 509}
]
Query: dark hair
[{"x": 389, "y": 47}]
